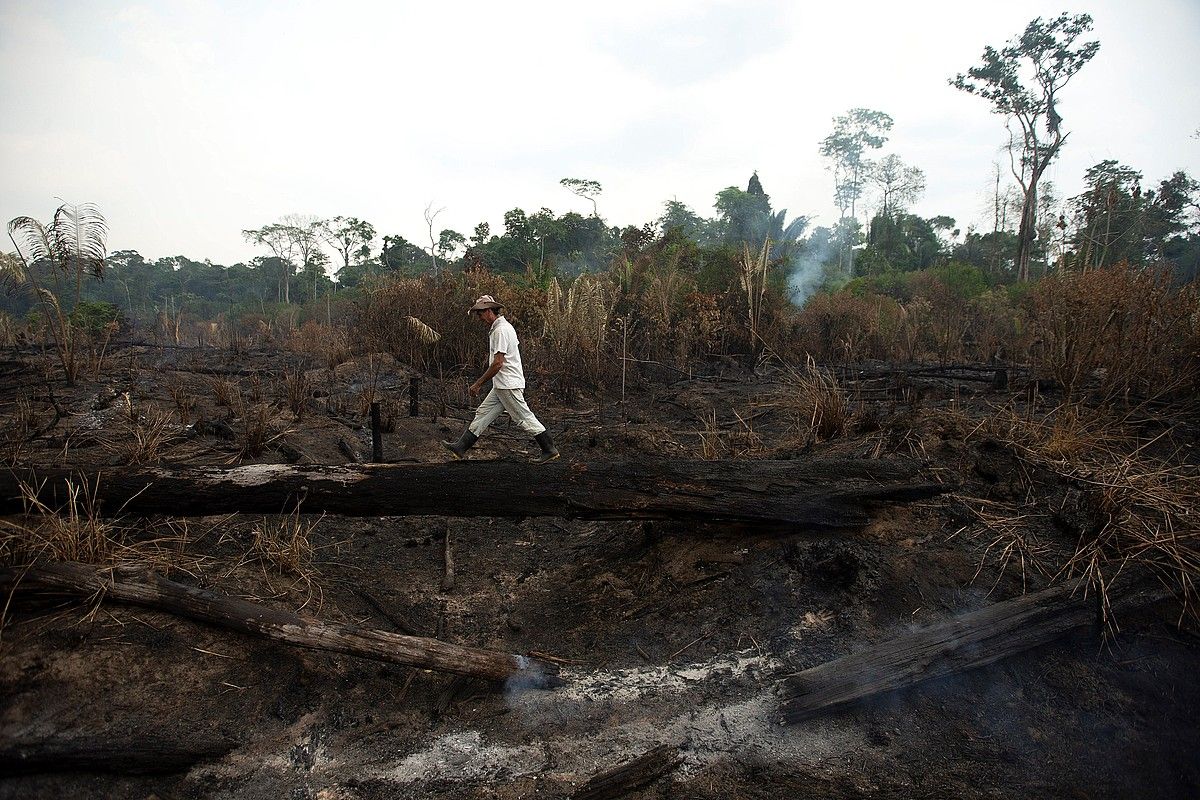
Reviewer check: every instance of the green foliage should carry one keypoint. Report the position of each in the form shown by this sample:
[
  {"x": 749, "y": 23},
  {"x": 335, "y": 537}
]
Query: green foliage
[
  {"x": 995, "y": 253},
  {"x": 1117, "y": 222},
  {"x": 449, "y": 242},
  {"x": 742, "y": 216},
  {"x": 571, "y": 243},
  {"x": 962, "y": 280},
  {"x": 93, "y": 316},
  {"x": 72, "y": 244},
  {"x": 677, "y": 215},
  {"x": 901, "y": 242},
  {"x": 1045, "y": 49},
  {"x": 400, "y": 256}
]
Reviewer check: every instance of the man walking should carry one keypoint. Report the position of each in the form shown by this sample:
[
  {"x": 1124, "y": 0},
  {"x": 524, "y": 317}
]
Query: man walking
[{"x": 508, "y": 386}]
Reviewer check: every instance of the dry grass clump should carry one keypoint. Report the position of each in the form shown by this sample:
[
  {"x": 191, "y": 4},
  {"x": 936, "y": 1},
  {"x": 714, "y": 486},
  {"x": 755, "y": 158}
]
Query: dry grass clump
[
  {"x": 8, "y": 330},
  {"x": 183, "y": 397},
  {"x": 401, "y": 316},
  {"x": 297, "y": 389},
  {"x": 225, "y": 392},
  {"x": 329, "y": 344},
  {"x": 1129, "y": 510},
  {"x": 149, "y": 434},
  {"x": 280, "y": 545},
  {"x": 575, "y": 331},
  {"x": 25, "y": 420},
  {"x": 1014, "y": 540},
  {"x": 142, "y": 434},
  {"x": 845, "y": 327},
  {"x": 735, "y": 439},
  {"x": 77, "y": 532},
  {"x": 253, "y": 427},
  {"x": 254, "y": 389},
  {"x": 285, "y": 543},
  {"x": 1121, "y": 332},
  {"x": 712, "y": 447},
  {"x": 823, "y": 401}
]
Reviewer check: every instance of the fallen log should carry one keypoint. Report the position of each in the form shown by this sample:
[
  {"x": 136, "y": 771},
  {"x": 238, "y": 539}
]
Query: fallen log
[
  {"x": 145, "y": 757},
  {"x": 154, "y": 591},
  {"x": 635, "y": 774},
  {"x": 972, "y": 640},
  {"x": 812, "y": 492}
]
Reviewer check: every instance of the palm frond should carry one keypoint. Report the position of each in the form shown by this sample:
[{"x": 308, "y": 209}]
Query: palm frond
[
  {"x": 12, "y": 273},
  {"x": 32, "y": 239},
  {"x": 80, "y": 235},
  {"x": 794, "y": 229},
  {"x": 426, "y": 334}
]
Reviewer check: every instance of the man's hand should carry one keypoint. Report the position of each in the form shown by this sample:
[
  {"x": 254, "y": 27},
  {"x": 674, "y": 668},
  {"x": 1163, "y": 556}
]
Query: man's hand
[{"x": 495, "y": 366}]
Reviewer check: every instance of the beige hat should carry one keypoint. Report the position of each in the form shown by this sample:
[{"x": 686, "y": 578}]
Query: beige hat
[{"x": 485, "y": 301}]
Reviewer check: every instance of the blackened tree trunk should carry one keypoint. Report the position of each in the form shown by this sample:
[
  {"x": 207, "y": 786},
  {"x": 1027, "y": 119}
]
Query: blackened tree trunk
[{"x": 823, "y": 493}]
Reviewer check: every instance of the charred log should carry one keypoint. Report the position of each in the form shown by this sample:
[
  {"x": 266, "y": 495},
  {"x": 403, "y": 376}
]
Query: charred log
[
  {"x": 625, "y": 778},
  {"x": 104, "y": 755},
  {"x": 827, "y": 493},
  {"x": 970, "y": 641},
  {"x": 153, "y": 591}
]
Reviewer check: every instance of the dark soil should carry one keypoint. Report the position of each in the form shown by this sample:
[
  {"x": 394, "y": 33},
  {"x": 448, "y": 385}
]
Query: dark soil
[{"x": 667, "y": 633}]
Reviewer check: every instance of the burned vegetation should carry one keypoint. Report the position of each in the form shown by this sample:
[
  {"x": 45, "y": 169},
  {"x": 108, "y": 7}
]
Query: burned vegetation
[{"x": 940, "y": 546}]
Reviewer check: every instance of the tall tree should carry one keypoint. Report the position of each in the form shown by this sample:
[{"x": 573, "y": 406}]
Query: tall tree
[
  {"x": 584, "y": 188},
  {"x": 448, "y": 243},
  {"x": 305, "y": 232},
  {"x": 1021, "y": 81},
  {"x": 349, "y": 236},
  {"x": 480, "y": 237},
  {"x": 743, "y": 216},
  {"x": 899, "y": 185},
  {"x": 680, "y": 215},
  {"x": 280, "y": 242},
  {"x": 431, "y": 216},
  {"x": 295, "y": 238},
  {"x": 854, "y": 133},
  {"x": 400, "y": 255}
]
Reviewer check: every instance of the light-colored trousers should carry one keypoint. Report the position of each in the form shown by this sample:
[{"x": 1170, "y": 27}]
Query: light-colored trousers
[{"x": 510, "y": 400}]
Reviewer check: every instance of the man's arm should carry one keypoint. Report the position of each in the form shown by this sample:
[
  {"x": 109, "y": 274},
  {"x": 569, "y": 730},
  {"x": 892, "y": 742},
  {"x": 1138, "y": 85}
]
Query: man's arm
[{"x": 497, "y": 363}]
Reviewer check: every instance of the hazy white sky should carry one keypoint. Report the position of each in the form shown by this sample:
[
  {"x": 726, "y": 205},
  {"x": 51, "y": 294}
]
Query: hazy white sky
[{"x": 187, "y": 121}]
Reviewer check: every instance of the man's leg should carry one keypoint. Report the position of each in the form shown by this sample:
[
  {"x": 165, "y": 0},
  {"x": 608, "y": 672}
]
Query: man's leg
[
  {"x": 518, "y": 409},
  {"x": 514, "y": 403},
  {"x": 485, "y": 415}
]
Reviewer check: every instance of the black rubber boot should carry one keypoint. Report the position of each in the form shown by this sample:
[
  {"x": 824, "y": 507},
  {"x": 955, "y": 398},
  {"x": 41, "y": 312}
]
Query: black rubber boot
[
  {"x": 549, "y": 451},
  {"x": 463, "y": 444}
]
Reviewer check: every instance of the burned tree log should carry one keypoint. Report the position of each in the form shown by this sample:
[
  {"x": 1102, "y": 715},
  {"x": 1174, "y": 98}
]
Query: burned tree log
[
  {"x": 635, "y": 774},
  {"x": 972, "y": 640},
  {"x": 817, "y": 492},
  {"x": 89, "y": 754},
  {"x": 153, "y": 591}
]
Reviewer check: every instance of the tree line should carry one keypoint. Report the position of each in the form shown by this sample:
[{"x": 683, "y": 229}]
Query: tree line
[{"x": 1118, "y": 218}]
